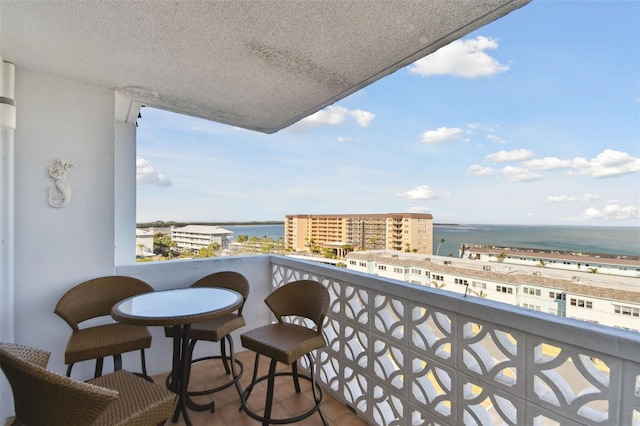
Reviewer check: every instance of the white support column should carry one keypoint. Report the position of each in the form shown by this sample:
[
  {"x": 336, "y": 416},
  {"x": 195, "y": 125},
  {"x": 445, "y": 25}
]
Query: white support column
[
  {"x": 126, "y": 114},
  {"x": 7, "y": 127}
]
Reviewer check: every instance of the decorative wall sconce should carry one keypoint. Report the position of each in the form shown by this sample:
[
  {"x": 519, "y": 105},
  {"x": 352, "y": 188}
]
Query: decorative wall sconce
[{"x": 60, "y": 193}]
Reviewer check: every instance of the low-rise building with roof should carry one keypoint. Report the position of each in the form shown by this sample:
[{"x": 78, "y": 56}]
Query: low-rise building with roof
[
  {"x": 196, "y": 237},
  {"x": 612, "y": 300},
  {"x": 608, "y": 264}
]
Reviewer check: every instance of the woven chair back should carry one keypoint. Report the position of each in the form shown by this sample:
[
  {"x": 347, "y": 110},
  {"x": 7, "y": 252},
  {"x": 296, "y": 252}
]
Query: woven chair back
[
  {"x": 226, "y": 279},
  {"x": 44, "y": 398},
  {"x": 304, "y": 298},
  {"x": 96, "y": 297}
]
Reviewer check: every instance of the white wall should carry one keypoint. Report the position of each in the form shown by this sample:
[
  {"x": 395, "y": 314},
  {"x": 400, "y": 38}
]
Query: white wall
[{"x": 56, "y": 249}]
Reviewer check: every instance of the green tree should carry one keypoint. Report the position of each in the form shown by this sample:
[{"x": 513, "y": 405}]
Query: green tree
[
  {"x": 186, "y": 253},
  {"x": 242, "y": 238},
  {"x": 211, "y": 250},
  {"x": 162, "y": 243},
  {"x": 439, "y": 244}
]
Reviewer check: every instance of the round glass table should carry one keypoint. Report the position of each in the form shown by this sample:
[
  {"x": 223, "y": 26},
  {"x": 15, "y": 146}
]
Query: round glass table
[{"x": 178, "y": 308}]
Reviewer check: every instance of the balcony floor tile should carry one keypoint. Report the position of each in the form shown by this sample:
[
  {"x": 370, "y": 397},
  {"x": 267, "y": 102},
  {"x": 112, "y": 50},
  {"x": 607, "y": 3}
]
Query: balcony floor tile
[{"x": 207, "y": 374}]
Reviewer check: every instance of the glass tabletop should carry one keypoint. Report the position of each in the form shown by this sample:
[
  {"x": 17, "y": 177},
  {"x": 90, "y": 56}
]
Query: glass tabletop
[{"x": 179, "y": 306}]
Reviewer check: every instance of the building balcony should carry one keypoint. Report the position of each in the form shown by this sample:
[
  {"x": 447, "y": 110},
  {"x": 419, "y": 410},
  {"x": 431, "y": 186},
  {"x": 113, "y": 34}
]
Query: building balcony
[{"x": 423, "y": 355}]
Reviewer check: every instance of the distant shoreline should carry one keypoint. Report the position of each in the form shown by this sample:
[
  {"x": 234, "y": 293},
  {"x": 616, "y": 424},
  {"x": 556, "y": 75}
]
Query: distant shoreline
[
  {"x": 168, "y": 224},
  {"x": 162, "y": 224}
]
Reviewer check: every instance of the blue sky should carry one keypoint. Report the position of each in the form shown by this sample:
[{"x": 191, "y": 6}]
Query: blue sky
[{"x": 533, "y": 119}]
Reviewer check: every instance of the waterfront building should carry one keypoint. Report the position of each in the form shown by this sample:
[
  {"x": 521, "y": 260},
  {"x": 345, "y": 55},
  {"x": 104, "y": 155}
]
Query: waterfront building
[
  {"x": 612, "y": 300},
  {"x": 392, "y": 231},
  {"x": 196, "y": 237},
  {"x": 144, "y": 242},
  {"x": 594, "y": 263}
]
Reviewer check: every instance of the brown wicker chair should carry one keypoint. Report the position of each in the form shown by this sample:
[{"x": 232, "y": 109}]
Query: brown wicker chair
[
  {"x": 219, "y": 329},
  {"x": 93, "y": 299},
  {"x": 45, "y": 398},
  {"x": 287, "y": 342}
]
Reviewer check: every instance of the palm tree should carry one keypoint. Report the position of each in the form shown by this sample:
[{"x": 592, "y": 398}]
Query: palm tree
[
  {"x": 482, "y": 294},
  {"x": 439, "y": 244},
  {"x": 437, "y": 284}
]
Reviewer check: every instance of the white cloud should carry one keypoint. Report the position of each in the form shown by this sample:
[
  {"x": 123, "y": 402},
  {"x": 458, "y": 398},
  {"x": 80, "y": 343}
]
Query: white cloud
[
  {"x": 465, "y": 58},
  {"x": 562, "y": 198},
  {"x": 589, "y": 196},
  {"x": 147, "y": 175},
  {"x": 519, "y": 174},
  {"x": 343, "y": 139},
  {"x": 441, "y": 134},
  {"x": 515, "y": 155},
  {"x": 333, "y": 116},
  {"x": 547, "y": 163},
  {"x": 612, "y": 212},
  {"x": 423, "y": 192},
  {"x": 496, "y": 139},
  {"x": 606, "y": 164},
  {"x": 363, "y": 118},
  {"x": 478, "y": 170}
]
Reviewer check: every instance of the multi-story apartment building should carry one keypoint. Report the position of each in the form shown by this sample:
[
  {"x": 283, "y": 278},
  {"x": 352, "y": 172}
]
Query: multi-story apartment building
[
  {"x": 612, "y": 300},
  {"x": 392, "y": 231},
  {"x": 195, "y": 237}
]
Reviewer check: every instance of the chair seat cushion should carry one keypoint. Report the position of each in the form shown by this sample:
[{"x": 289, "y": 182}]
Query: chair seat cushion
[
  {"x": 139, "y": 403},
  {"x": 105, "y": 340},
  {"x": 283, "y": 342},
  {"x": 212, "y": 330}
]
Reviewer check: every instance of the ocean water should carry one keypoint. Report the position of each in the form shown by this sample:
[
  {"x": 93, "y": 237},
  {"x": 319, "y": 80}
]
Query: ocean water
[
  {"x": 270, "y": 231},
  {"x": 622, "y": 240}
]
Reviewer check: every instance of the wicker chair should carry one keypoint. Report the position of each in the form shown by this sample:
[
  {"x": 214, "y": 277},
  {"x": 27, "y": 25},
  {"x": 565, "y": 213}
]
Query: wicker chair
[
  {"x": 219, "y": 329},
  {"x": 93, "y": 299},
  {"x": 45, "y": 398},
  {"x": 287, "y": 342}
]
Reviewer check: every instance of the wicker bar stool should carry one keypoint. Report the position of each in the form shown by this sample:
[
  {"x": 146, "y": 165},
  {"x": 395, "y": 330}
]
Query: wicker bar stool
[
  {"x": 94, "y": 299},
  {"x": 287, "y": 342},
  {"x": 219, "y": 329},
  {"x": 45, "y": 398}
]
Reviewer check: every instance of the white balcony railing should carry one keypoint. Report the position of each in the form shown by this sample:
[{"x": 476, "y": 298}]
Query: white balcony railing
[{"x": 400, "y": 354}]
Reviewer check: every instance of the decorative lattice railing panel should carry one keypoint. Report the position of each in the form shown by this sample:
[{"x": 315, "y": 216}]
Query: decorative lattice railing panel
[{"x": 405, "y": 355}]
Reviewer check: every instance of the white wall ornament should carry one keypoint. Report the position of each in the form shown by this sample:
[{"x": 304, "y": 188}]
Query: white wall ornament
[{"x": 60, "y": 193}]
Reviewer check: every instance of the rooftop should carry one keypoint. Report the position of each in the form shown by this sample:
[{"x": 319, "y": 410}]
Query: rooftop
[{"x": 595, "y": 285}]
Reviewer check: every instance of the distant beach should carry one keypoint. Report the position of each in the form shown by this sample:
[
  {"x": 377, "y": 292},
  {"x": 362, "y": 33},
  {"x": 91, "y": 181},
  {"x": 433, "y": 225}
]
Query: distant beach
[{"x": 619, "y": 240}]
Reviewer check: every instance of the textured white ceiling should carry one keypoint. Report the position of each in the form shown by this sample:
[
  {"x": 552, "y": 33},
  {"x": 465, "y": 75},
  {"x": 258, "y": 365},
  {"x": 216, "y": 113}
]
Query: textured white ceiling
[{"x": 261, "y": 65}]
